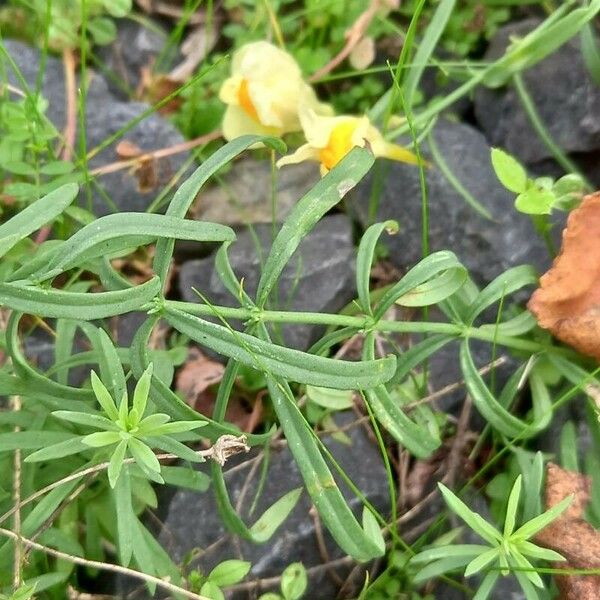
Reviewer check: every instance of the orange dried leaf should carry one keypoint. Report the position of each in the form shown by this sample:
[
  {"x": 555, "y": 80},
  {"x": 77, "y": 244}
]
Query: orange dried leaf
[
  {"x": 571, "y": 535},
  {"x": 568, "y": 299}
]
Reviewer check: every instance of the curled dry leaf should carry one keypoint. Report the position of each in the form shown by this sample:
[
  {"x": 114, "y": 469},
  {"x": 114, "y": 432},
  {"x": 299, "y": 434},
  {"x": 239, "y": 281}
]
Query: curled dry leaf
[
  {"x": 145, "y": 169},
  {"x": 571, "y": 535},
  {"x": 568, "y": 299}
]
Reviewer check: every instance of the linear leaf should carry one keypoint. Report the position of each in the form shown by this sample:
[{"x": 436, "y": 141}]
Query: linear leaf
[
  {"x": 508, "y": 282},
  {"x": 110, "y": 234},
  {"x": 282, "y": 361},
  {"x": 425, "y": 270},
  {"x": 53, "y": 303},
  {"x": 165, "y": 400},
  {"x": 307, "y": 213},
  {"x": 320, "y": 484},
  {"x": 496, "y": 415},
  {"x": 364, "y": 260},
  {"x": 186, "y": 194},
  {"x": 35, "y": 215}
]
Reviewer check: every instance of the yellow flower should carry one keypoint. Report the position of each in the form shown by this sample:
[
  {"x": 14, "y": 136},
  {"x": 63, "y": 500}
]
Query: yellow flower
[
  {"x": 264, "y": 93},
  {"x": 329, "y": 139}
]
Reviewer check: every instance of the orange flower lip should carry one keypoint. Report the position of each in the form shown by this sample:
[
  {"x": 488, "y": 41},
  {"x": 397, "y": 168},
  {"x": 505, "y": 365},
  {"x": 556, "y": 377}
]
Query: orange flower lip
[
  {"x": 339, "y": 144},
  {"x": 246, "y": 101}
]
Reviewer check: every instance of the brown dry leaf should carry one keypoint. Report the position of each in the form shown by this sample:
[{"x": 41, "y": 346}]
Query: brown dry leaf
[
  {"x": 571, "y": 535},
  {"x": 145, "y": 170},
  {"x": 127, "y": 149},
  {"x": 568, "y": 299},
  {"x": 198, "y": 373},
  {"x": 154, "y": 88}
]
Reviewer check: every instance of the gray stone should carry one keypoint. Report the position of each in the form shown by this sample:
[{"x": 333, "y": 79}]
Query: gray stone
[
  {"x": 105, "y": 115},
  {"x": 27, "y": 60},
  {"x": 486, "y": 246},
  {"x": 245, "y": 193},
  {"x": 192, "y": 521},
  {"x": 136, "y": 47},
  {"x": 563, "y": 92},
  {"x": 318, "y": 278}
]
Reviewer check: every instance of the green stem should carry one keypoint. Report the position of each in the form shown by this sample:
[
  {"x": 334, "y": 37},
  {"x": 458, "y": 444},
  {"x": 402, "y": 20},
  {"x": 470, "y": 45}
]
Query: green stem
[
  {"x": 559, "y": 156},
  {"x": 362, "y": 322}
]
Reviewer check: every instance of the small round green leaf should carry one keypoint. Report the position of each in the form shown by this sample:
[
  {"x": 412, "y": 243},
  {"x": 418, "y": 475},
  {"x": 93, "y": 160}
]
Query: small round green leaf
[{"x": 509, "y": 171}]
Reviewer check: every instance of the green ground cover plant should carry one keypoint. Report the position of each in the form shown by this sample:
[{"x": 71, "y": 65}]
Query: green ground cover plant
[{"x": 80, "y": 465}]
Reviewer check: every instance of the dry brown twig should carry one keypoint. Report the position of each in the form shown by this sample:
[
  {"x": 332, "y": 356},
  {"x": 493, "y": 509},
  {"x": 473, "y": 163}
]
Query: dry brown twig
[
  {"x": 95, "y": 564},
  {"x": 220, "y": 451},
  {"x": 354, "y": 35}
]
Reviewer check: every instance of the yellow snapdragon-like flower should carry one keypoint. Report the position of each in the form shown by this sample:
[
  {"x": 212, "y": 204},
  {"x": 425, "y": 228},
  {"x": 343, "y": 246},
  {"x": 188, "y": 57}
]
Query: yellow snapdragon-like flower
[
  {"x": 329, "y": 139},
  {"x": 264, "y": 93}
]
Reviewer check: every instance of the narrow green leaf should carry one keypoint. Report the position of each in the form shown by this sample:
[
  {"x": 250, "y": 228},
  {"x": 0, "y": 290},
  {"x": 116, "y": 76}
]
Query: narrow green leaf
[
  {"x": 101, "y": 439},
  {"x": 497, "y": 416},
  {"x": 112, "y": 234},
  {"x": 89, "y": 419},
  {"x": 307, "y": 213},
  {"x": 538, "y": 523},
  {"x": 481, "y": 561},
  {"x": 437, "y": 552},
  {"x": 418, "y": 353},
  {"x": 74, "y": 445},
  {"x": 279, "y": 360},
  {"x": 364, "y": 260},
  {"x": 320, "y": 484},
  {"x": 328, "y": 398},
  {"x": 436, "y": 289},
  {"x": 142, "y": 389},
  {"x": 534, "y": 551},
  {"x": 35, "y": 215},
  {"x": 425, "y": 270},
  {"x": 185, "y": 477},
  {"x": 143, "y": 455},
  {"x": 187, "y": 193},
  {"x": 474, "y": 520},
  {"x": 415, "y": 438},
  {"x": 372, "y": 529},
  {"x": 31, "y": 440},
  {"x": 116, "y": 463},
  {"x": 53, "y": 303},
  {"x": 105, "y": 400},
  {"x": 487, "y": 585},
  {"x": 274, "y": 516},
  {"x": 590, "y": 50},
  {"x": 125, "y": 517},
  {"x": 505, "y": 284},
  {"x": 511, "y": 508},
  {"x": 427, "y": 45}
]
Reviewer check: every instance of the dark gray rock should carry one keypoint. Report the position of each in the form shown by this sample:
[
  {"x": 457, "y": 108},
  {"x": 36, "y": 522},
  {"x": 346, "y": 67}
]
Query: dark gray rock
[
  {"x": 192, "y": 521},
  {"x": 486, "y": 246},
  {"x": 318, "y": 278},
  {"x": 565, "y": 96},
  {"x": 105, "y": 115},
  {"x": 27, "y": 60},
  {"x": 245, "y": 195},
  {"x": 135, "y": 48}
]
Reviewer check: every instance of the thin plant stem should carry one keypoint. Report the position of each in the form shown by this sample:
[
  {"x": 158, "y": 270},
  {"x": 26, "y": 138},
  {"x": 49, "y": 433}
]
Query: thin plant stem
[
  {"x": 18, "y": 554},
  {"x": 534, "y": 118},
  {"x": 224, "y": 447},
  {"x": 96, "y": 564}
]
